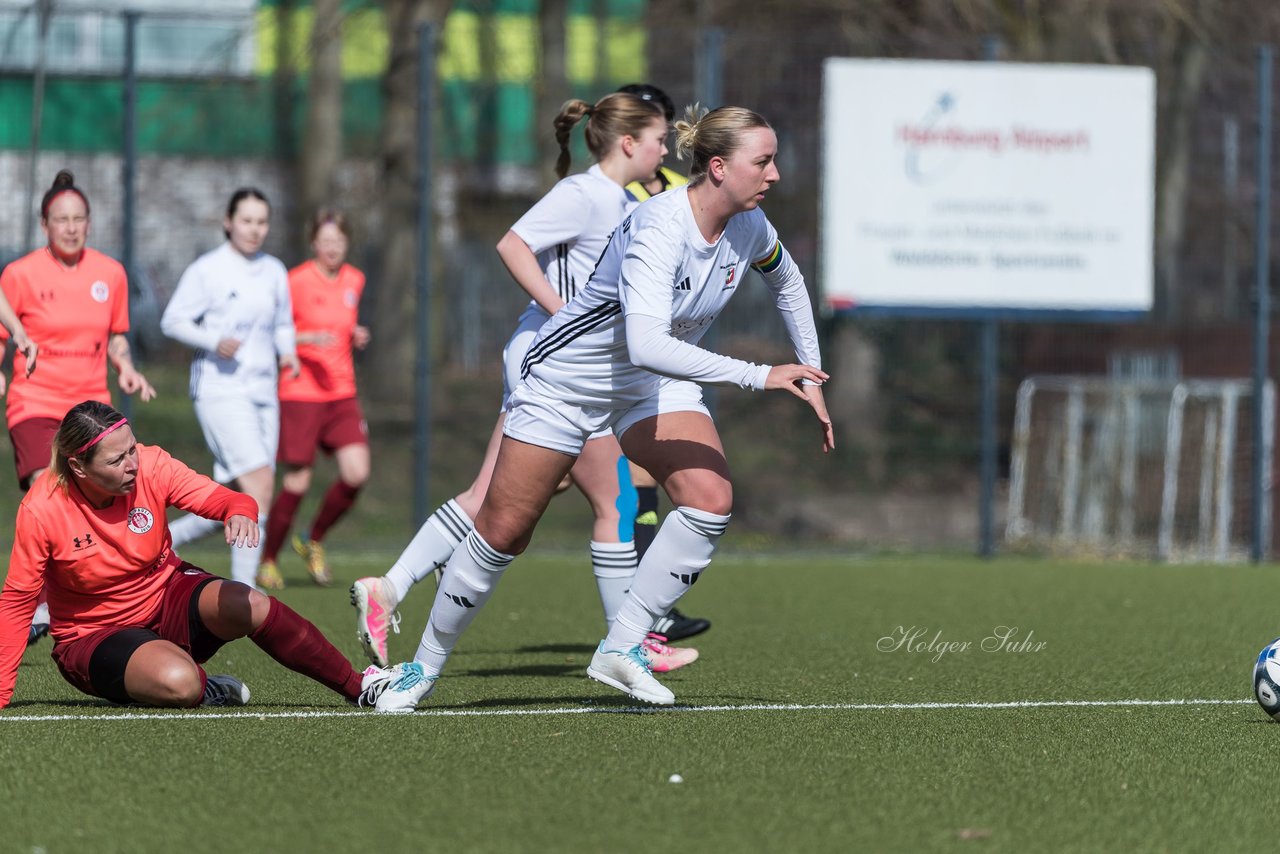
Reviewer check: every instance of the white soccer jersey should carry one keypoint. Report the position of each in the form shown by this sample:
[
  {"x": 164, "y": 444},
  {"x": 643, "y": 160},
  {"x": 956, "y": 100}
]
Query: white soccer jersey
[
  {"x": 655, "y": 291},
  {"x": 570, "y": 226},
  {"x": 226, "y": 295}
]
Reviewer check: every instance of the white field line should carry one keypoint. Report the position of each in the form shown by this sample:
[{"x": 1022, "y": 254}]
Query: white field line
[{"x": 248, "y": 715}]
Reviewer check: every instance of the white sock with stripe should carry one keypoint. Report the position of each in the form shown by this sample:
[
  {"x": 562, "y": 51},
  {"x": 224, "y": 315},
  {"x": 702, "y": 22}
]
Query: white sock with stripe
[
  {"x": 680, "y": 552},
  {"x": 469, "y": 579},
  {"x": 432, "y": 546},
  {"x": 614, "y": 566}
]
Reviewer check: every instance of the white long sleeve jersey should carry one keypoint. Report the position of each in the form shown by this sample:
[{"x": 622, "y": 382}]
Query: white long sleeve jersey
[
  {"x": 221, "y": 295},
  {"x": 655, "y": 290},
  {"x": 569, "y": 227}
]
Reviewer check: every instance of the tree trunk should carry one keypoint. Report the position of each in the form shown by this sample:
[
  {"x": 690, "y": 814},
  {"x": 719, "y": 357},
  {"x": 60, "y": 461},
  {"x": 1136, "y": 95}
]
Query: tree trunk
[
  {"x": 1189, "y": 60},
  {"x": 282, "y": 82},
  {"x": 553, "y": 83},
  {"x": 393, "y": 300},
  {"x": 322, "y": 149}
]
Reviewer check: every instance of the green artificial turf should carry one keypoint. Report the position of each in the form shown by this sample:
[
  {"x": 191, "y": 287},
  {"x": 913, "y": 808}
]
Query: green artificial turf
[{"x": 532, "y": 756}]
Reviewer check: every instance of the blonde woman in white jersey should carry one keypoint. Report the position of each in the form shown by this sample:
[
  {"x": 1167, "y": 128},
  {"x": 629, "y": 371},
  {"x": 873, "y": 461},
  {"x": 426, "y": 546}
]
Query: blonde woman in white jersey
[
  {"x": 624, "y": 355},
  {"x": 232, "y": 307},
  {"x": 550, "y": 252}
]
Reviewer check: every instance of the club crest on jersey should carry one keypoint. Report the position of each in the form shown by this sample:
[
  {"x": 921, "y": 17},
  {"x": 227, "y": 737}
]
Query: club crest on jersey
[
  {"x": 349, "y": 299},
  {"x": 140, "y": 520},
  {"x": 99, "y": 291},
  {"x": 729, "y": 274}
]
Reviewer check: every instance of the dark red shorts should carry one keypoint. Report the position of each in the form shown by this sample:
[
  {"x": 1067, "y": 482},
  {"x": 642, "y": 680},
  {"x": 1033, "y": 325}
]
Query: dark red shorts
[
  {"x": 305, "y": 426},
  {"x": 32, "y": 440},
  {"x": 95, "y": 663}
]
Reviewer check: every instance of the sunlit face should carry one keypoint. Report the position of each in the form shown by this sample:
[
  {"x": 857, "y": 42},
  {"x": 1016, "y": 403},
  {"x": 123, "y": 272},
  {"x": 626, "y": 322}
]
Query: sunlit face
[
  {"x": 113, "y": 470},
  {"x": 330, "y": 246},
  {"x": 751, "y": 170},
  {"x": 648, "y": 149},
  {"x": 247, "y": 228},
  {"x": 66, "y": 224}
]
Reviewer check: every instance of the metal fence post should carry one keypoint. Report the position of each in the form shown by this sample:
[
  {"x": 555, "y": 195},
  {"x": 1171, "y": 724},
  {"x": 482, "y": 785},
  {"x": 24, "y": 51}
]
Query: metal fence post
[
  {"x": 1262, "y": 315},
  {"x": 128, "y": 178},
  {"x": 709, "y": 68},
  {"x": 989, "y": 349},
  {"x": 44, "y": 11},
  {"x": 709, "y": 92}
]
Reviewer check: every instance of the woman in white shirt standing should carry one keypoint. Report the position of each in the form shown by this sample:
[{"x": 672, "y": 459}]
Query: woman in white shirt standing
[
  {"x": 624, "y": 355},
  {"x": 232, "y": 307},
  {"x": 550, "y": 252}
]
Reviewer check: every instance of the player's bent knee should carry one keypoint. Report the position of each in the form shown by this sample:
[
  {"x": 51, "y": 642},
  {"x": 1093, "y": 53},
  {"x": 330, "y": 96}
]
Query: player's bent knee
[
  {"x": 718, "y": 502},
  {"x": 507, "y": 539},
  {"x": 259, "y": 608},
  {"x": 176, "y": 684},
  {"x": 711, "y": 494}
]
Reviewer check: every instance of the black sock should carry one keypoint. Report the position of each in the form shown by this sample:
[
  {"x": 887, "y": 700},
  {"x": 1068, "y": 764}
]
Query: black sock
[{"x": 646, "y": 518}]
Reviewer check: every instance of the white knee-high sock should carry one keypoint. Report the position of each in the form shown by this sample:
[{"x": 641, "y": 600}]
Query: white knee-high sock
[
  {"x": 614, "y": 566},
  {"x": 189, "y": 528},
  {"x": 680, "y": 552},
  {"x": 469, "y": 579},
  {"x": 245, "y": 560},
  {"x": 432, "y": 546}
]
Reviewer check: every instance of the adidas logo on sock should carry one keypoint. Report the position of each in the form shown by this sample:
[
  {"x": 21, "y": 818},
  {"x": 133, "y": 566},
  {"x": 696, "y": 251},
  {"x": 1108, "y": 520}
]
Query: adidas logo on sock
[
  {"x": 687, "y": 579},
  {"x": 460, "y": 600}
]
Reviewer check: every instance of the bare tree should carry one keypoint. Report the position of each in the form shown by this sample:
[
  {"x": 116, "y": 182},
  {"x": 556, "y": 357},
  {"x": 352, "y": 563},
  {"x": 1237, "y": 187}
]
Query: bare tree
[
  {"x": 1186, "y": 60},
  {"x": 391, "y": 354},
  {"x": 321, "y": 152},
  {"x": 553, "y": 83}
]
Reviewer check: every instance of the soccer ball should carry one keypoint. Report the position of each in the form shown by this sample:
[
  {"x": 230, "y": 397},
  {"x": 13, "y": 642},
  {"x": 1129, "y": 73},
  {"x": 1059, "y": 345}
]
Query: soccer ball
[{"x": 1266, "y": 679}]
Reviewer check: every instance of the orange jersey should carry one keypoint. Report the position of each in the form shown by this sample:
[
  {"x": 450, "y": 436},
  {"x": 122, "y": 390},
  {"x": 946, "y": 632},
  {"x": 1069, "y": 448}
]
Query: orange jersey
[
  {"x": 101, "y": 567},
  {"x": 71, "y": 315},
  {"x": 323, "y": 305}
]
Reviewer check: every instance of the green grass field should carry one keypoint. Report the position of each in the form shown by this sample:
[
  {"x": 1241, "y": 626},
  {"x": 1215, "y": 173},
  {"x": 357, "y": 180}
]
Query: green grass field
[{"x": 800, "y": 729}]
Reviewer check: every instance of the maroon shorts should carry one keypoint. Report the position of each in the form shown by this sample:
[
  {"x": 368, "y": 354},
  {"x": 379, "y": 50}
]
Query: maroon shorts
[
  {"x": 32, "y": 440},
  {"x": 305, "y": 426},
  {"x": 95, "y": 663}
]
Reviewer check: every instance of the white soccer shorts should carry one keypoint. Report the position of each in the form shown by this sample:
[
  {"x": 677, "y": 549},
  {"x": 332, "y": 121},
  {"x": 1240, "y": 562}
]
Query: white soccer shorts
[
  {"x": 550, "y": 418},
  {"x": 241, "y": 434}
]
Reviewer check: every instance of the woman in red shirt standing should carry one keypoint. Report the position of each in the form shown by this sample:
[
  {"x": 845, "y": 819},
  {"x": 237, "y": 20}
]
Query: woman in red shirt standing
[
  {"x": 318, "y": 407},
  {"x": 132, "y": 622},
  {"x": 74, "y": 301}
]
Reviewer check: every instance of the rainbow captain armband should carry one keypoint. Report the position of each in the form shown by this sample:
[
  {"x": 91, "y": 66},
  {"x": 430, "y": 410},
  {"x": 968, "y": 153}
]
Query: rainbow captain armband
[{"x": 770, "y": 262}]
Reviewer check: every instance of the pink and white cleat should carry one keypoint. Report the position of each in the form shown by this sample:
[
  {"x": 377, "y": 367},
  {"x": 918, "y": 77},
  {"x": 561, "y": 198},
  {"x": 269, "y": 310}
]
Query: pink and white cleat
[
  {"x": 375, "y": 615},
  {"x": 664, "y": 658}
]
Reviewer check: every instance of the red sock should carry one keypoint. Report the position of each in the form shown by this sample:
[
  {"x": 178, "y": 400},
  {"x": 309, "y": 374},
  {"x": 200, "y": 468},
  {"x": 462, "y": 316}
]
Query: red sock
[
  {"x": 337, "y": 501},
  {"x": 279, "y": 520},
  {"x": 299, "y": 646}
]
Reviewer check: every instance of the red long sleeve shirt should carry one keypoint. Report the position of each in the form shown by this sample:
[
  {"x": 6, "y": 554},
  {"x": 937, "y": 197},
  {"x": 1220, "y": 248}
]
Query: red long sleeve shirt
[{"x": 102, "y": 567}]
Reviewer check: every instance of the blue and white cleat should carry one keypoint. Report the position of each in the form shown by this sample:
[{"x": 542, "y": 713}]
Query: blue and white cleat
[
  {"x": 411, "y": 686},
  {"x": 629, "y": 671}
]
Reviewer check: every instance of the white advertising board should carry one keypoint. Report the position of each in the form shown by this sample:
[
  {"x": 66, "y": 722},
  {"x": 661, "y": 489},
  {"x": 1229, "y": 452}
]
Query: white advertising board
[{"x": 982, "y": 186}]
